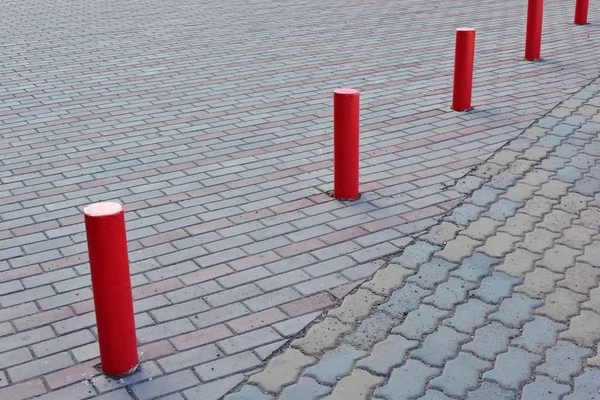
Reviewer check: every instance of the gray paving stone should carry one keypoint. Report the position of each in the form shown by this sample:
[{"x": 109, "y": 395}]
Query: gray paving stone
[
  {"x": 421, "y": 321},
  {"x": 440, "y": 346},
  {"x": 460, "y": 375},
  {"x": 213, "y": 390},
  {"x": 484, "y": 196},
  {"x": 387, "y": 354},
  {"x": 491, "y": 391},
  {"x": 495, "y": 287},
  {"x": 516, "y": 310},
  {"x": 512, "y": 368},
  {"x": 491, "y": 340},
  {"x": 305, "y": 388},
  {"x": 503, "y": 209},
  {"x": 469, "y": 315},
  {"x": 563, "y": 361},
  {"x": 539, "y": 334},
  {"x": 248, "y": 392},
  {"x": 587, "y": 186},
  {"x": 371, "y": 330},
  {"x": 465, "y": 214},
  {"x": 450, "y": 293},
  {"x": 434, "y": 395},
  {"x": 404, "y": 300},
  {"x": 407, "y": 382},
  {"x": 467, "y": 184},
  {"x": 415, "y": 254},
  {"x": 475, "y": 267},
  {"x": 431, "y": 273},
  {"x": 544, "y": 388},
  {"x": 335, "y": 364},
  {"x": 586, "y": 386}
]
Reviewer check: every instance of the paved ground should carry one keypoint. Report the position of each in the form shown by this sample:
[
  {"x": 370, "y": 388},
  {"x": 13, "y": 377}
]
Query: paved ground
[
  {"x": 500, "y": 300},
  {"x": 211, "y": 122}
]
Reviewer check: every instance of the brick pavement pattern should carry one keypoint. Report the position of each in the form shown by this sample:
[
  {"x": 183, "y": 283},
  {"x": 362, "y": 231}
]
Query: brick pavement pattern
[
  {"x": 211, "y": 122},
  {"x": 500, "y": 300}
]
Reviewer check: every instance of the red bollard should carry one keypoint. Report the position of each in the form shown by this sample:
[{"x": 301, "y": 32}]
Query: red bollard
[
  {"x": 533, "y": 40},
  {"x": 111, "y": 284},
  {"x": 345, "y": 143},
  {"x": 463, "y": 69},
  {"x": 581, "y": 11}
]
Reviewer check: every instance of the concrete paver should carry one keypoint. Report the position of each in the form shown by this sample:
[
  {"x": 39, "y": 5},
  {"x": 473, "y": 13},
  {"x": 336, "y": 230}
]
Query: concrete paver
[
  {"x": 211, "y": 123},
  {"x": 479, "y": 333}
]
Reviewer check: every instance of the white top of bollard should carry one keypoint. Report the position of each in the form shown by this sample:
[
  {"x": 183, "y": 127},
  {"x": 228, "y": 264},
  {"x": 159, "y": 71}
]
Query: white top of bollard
[
  {"x": 103, "y": 209},
  {"x": 465, "y": 29},
  {"x": 345, "y": 91}
]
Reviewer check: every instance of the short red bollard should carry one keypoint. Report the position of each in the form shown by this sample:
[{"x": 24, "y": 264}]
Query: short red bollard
[
  {"x": 581, "y": 11},
  {"x": 533, "y": 39},
  {"x": 346, "y": 120},
  {"x": 463, "y": 69},
  {"x": 111, "y": 284}
]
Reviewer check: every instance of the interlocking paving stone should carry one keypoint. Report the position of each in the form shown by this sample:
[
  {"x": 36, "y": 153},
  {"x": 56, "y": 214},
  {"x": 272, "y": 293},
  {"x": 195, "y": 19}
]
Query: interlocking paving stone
[
  {"x": 450, "y": 293},
  {"x": 583, "y": 329},
  {"x": 539, "y": 282},
  {"x": 580, "y": 278},
  {"x": 516, "y": 310},
  {"x": 371, "y": 330},
  {"x": 469, "y": 315},
  {"x": 281, "y": 370},
  {"x": 465, "y": 214},
  {"x": 431, "y": 273},
  {"x": 305, "y": 388},
  {"x": 334, "y": 364},
  {"x": 512, "y": 368},
  {"x": 495, "y": 287},
  {"x": 563, "y": 361},
  {"x": 439, "y": 346},
  {"x": 561, "y": 304},
  {"x": 490, "y": 340},
  {"x": 460, "y": 375},
  {"x": 559, "y": 258},
  {"x": 415, "y": 254},
  {"x": 321, "y": 336},
  {"x": 586, "y": 386},
  {"x": 355, "y": 386},
  {"x": 355, "y": 306},
  {"x": 503, "y": 209},
  {"x": 387, "y": 354},
  {"x": 407, "y": 381},
  {"x": 404, "y": 300},
  {"x": 491, "y": 391},
  {"x": 419, "y": 322},
  {"x": 248, "y": 393},
  {"x": 544, "y": 388},
  {"x": 539, "y": 334}
]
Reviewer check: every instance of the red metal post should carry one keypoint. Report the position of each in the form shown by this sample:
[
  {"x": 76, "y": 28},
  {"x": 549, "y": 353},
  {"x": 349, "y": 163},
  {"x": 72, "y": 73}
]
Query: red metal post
[
  {"x": 581, "y": 11},
  {"x": 463, "y": 69},
  {"x": 111, "y": 284},
  {"x": 345, "y": 143},
  {"x": 533, "y": 40}
]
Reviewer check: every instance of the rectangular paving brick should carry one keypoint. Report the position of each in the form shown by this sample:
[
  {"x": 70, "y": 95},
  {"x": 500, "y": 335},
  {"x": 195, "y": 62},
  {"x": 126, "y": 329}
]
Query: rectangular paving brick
[
  {"x": 226, "y": 366},
  {"x": 40, "y": 366},
  {"x": 164, "y": 385}
]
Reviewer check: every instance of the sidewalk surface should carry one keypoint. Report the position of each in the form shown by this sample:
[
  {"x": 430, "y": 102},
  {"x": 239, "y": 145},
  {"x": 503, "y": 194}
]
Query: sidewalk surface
[
  {"x": 210, "y": 122},
  {"x": 500, "y": 300}
]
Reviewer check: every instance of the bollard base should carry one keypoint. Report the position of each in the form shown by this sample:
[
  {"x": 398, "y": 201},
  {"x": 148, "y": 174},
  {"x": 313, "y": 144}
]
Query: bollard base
[
  {"x": 119, "y": 376},
  {"x": 331, "y": 194}
]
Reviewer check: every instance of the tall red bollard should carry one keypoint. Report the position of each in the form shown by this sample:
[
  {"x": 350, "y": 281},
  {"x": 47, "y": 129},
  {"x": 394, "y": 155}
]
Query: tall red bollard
[
  {"x": 463, "y": 69},
  {"x": 533, "y": 39},
  {"x": 111, "y": 284},
  {"x": 345, "y": 143},
  {"x": 581, "y": 11}
]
